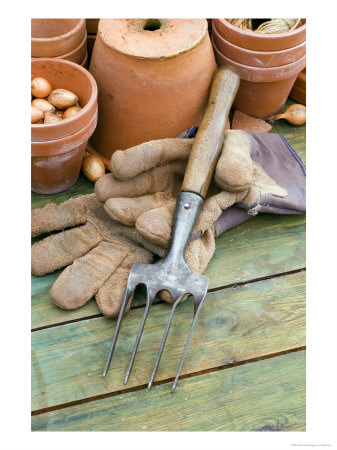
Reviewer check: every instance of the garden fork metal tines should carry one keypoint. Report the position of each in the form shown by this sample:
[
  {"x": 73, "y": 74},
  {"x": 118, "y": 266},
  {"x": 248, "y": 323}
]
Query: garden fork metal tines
[{"x": 172, "y": 273}]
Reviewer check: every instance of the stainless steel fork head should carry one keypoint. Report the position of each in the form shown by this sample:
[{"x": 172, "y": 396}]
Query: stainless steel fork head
[{"x": 171, "y": 274}]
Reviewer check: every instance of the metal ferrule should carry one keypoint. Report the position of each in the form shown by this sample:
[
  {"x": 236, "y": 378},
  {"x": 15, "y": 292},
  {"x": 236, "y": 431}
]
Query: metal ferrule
[{"x": 186, "y": 213}]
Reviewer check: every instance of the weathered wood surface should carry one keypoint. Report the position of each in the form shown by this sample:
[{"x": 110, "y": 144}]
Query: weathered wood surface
[
  {"x": 234, "y": 325},
  {"x": 267, "y": 395},
  {"x": 260, "y": 319}
]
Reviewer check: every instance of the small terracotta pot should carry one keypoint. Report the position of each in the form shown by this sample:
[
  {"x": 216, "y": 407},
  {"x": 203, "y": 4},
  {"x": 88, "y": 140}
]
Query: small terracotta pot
[
  {"x": 55, "y": 37},
  {"x": 260, "y": 41},
  {"x": 57, "y": 150},
  {"x": 66, "y": 75},
  {"x": 258, "y": 58},
  {"x": 76, "y": 55},
  {"x": 85, "y": 62},
  {"x": 263, "y": 91},
  {"x": 298, "y": 91},
  {"x": 153, "y": 78}
]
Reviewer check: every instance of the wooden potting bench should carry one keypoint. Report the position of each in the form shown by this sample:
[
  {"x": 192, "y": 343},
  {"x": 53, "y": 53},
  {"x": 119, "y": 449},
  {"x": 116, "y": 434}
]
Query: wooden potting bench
[{"x": 245, "y": 368}]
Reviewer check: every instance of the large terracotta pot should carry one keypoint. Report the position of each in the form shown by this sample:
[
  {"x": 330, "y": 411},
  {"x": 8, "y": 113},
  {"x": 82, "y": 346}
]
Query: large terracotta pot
[
  {"x": 56, "y": 37},
  {"x": 260, "y": 41},
  {"x": 258, "y": 58},
  {"x": 153, "y": 78},
  {"x": 78, "y": 54},
  {"x": 57, "y": 149},
  {"x": 263, "y": 91}
]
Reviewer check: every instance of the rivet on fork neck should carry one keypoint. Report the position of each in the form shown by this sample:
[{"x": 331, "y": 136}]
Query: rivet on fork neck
[{"x": 187, "y": 205}]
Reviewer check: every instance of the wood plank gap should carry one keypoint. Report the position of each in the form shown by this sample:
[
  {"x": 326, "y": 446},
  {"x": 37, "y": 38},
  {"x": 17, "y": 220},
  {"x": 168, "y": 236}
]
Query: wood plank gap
[
  {"x": 257, "y": 280},
  {"x": 158, "y": 302},
  {"x": 168, "y": 380}
]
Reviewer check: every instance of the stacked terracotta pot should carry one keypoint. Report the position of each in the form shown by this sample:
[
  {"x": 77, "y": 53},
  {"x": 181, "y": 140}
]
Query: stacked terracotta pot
[
  {"x": 268, "y": 64},
  {"x": 57, "y": 149},
  {"x": 60, "y": 38}
]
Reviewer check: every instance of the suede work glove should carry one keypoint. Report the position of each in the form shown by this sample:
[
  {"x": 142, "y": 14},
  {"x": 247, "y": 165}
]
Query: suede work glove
[
  {"x": 98, "y": 252},
  {"x": 141, "y": 190}
]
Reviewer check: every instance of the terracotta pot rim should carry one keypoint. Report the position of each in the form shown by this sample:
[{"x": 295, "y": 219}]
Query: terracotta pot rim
[
  {"x": 151, "y": 58},
  {"x": 83, "y": 63},
  {"x": 66, "y": 55},
  {"x": 264, "y": 35},
  {"x": 64, "y": 144},
  {"x": 60, "y": 36},
  {"x": 91, "y": 103},
  {"x": 257, "y": 53},
  {"x": 263, "y": 74}
]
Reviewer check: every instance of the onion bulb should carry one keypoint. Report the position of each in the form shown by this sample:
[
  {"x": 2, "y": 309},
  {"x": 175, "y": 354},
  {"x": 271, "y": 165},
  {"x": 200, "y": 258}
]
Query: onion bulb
[
  {"x": 295, "y": 114},
  {"x": 71, "y": 111},
  {"x": 41, "y": 87},
  {"x": 93, "y": 167},
  {"x": 36, "y": 114},
  {"x": 62, "y": 98},
  {"x": 51, "y": 117},
  {"x": 41, "y": 103}
]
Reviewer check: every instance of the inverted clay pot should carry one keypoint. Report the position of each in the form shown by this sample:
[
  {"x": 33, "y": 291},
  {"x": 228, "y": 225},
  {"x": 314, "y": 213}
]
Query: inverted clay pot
[
  {"x": 258, "y": 58},
  {"x": 57, "y": 149},
  {"x": 153, "y": 78},
  {"x": 56, "y": 37},
  {"x": 263, "y": 91},
  {"x": 260, "y": 41}
]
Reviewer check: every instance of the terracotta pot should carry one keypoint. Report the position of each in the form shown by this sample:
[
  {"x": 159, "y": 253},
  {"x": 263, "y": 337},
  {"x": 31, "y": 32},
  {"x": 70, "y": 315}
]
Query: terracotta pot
[
  {"x": 55, "y": 37},
  {"x": 57, "y": 150},
  {"x": 85, "y": 62},
  {"x": 90, "y": 44},
  {"x": 77, "y": 55},
  {"x": 71, "y": 76},
  {"x": 258, "y": 58},
  {"x": 298, "y": 91},
  {"x": 153, "y": 78},
  {"x": 260, "y": 41},
  {"x": 263, "y": 91},
  {"x": 92, "y": 26}
]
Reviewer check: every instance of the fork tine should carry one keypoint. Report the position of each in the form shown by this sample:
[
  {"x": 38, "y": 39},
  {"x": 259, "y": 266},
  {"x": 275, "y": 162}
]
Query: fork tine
[
  {"x": 196, "y": 313},
  {"x": 149, "y": 300},
  {"x": 127, "y": 294},
  {"x": 175, "y": 303}
]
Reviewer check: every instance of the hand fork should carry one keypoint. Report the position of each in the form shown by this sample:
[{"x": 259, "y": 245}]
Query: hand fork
[{"x": 172, "y": 273}]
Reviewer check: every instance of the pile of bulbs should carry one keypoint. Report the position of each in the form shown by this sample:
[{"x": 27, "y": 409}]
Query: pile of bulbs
[{"x": 51, "y": 106}]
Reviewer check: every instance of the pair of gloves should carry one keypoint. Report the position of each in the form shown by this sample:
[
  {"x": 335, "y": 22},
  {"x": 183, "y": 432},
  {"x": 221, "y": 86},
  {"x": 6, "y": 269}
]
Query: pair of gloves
[{"x": 129, "y": 217}]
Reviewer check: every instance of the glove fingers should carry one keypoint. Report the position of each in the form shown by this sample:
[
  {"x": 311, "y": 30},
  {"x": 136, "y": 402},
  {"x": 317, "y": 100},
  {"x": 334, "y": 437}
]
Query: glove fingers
[
  {"x": 59, "y": 250},
  {"x": 57, "y": 217},
  {"x": 158, "y": 179},
  {"x": 126, "y": 164},
  {"x": 127, "y": 210},
  {"x": 234, "y": 170},
  {"x": 79, "y": 282},
  {"x": 110, "y": 295},
  {"x": 213, "y": 207},
  {"x": 155, "y": 225}
]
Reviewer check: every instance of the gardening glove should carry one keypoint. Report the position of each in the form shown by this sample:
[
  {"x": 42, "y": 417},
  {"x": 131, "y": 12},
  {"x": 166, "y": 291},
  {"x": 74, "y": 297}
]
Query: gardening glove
[
  {"x": 99, "y": 253},
  {"x": 145, "y": 180}
]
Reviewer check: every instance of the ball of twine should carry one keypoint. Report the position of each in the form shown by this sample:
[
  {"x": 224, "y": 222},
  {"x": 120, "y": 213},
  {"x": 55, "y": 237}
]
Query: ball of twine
[{"x": 270, "y": 26}]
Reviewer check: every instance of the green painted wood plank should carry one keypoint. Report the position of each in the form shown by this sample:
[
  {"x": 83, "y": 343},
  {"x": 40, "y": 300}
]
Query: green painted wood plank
[
  {"x": 263, "y": 246},
  {"x": 235, "y": 324},
  {"x": 267, "y": 395}
]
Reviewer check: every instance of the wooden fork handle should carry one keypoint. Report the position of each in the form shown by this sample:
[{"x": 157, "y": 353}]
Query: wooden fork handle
[{"x": 210, "y": 136}]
